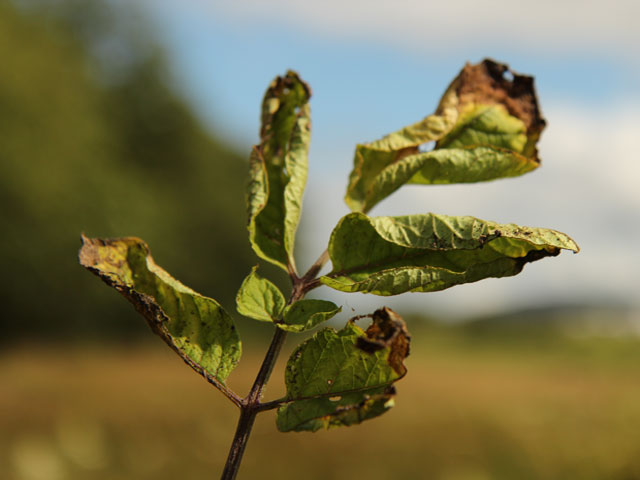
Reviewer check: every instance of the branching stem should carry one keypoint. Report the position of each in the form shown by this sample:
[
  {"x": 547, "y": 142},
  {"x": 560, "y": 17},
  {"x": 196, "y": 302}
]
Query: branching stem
[
  {"x": 250, "y": 406},
  {"x": 316, "y": 267}
]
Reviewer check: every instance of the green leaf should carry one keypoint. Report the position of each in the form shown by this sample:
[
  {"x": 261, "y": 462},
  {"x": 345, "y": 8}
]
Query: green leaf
[
  {"x": 486, "y": 127},
  {"x": 278, "y": 170},
  {"x": 345, "y": 377},
  {"x": 259, "y": 299},
  {"x": 423, "y": 253},
  {"x": 446, "y": 166},
  {"x": 306, "y": 314},
  {"x": 196, "y": 327}
]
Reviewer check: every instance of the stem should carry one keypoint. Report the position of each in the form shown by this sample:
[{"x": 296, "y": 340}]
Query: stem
[
  {"x": 316, "y": 267},
  {"x": 264, "y": 406},
  {"x": 253, "y": 399},
  {"x": 245, "y": 423},
  {"x": 250, "y": 406}
]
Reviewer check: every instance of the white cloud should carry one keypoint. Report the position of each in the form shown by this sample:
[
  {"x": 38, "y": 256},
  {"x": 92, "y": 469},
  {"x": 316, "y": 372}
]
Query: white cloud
[{"x": 547, "y": 25}]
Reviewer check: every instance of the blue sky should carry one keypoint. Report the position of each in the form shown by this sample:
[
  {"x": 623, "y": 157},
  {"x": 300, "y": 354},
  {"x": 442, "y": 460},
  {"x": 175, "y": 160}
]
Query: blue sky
[
  {"x": 224, "y": 59},
  {"x": 376, "y": 66}
]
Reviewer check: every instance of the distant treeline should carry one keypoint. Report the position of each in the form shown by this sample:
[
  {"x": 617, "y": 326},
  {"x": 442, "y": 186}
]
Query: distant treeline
[{"x": 93, "y": 139}]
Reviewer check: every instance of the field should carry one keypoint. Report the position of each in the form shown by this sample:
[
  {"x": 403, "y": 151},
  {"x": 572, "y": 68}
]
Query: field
[{"x": 473, "y": 406}]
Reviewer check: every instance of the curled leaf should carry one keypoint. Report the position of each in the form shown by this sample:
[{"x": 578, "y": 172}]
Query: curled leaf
[
  {"x": 194, "y": 326},
  {"x": 486, "y": 127},
  {"x": 335, "y": 379},
  {"x": 422, "y": 253},
  {"x": 278, "y": 170}
]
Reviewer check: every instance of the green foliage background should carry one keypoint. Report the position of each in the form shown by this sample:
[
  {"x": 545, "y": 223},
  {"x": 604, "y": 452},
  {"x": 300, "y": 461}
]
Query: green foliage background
[{"x": 94, "y": 139}]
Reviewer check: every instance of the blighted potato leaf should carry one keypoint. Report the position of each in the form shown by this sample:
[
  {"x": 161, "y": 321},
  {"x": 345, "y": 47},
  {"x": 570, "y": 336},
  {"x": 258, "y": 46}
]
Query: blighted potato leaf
[
  {"x": 278, "y": 170},
  {"x": 340, "y": 378},
  {"x": 196, "y": 327},
  {"x": 423, "y": 253},
  {"x": 260, "y": 299},
  {"x": 306, "y": 314},
  {"x": 486, "y": 127}
]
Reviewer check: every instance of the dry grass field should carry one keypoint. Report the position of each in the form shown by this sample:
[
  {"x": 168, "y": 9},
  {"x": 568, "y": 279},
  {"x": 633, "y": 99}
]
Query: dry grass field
[{"x": 470, "y": 408}]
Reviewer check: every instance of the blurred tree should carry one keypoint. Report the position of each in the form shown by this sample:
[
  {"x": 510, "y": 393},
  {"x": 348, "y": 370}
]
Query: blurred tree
[{"x": 93, "y": 139}]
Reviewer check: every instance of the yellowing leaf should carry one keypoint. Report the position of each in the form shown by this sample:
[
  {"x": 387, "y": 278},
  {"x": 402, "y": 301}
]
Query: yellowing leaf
[{"x": 196, "y": 327}]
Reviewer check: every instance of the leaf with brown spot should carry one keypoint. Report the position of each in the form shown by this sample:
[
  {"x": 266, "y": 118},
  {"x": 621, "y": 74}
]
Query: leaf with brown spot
[
  {"x": 194, "y": 326},
  {"x": 335, "y": 379},
  {"x": 278, "y": 170},
  {"x": 486, "y": 127},
  {"x": 426, "y": 253}
]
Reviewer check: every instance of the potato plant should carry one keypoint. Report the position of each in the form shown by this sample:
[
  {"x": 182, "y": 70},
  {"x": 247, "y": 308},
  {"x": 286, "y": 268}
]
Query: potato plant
[{"x": 486, "y": 127}]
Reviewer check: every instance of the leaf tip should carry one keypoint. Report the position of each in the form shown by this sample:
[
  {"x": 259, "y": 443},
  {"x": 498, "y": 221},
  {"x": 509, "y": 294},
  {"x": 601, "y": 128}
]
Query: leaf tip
[
  {"x": 492, "y": 82},
  {"x": 87, "y": 255}
]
